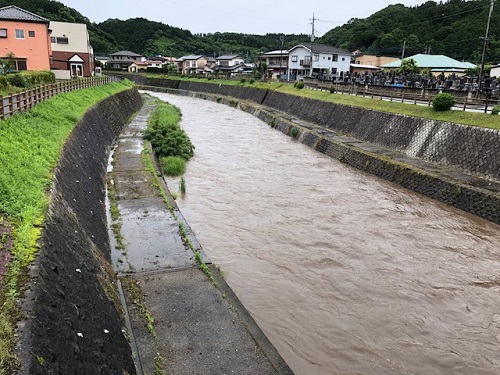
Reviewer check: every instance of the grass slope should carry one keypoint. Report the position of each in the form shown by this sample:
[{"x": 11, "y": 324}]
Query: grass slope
[{"x": 30, "y": 146}]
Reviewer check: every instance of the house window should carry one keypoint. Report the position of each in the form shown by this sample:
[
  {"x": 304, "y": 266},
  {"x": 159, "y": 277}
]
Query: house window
[
  {"x": 21, "y": 65},
  {"x": 329, "y": 58},
  {"x": 335, "y": 57},
  {"x": 19, "y": 34},
  {"x": 343, "y": 58},
  {"x": 294, "y": 58},
  {"x": 53, "y": 39},
  {"x": 316, "y": 57},
  {"x": 3, "y": 33},
  {"x": 31, "y": 34},
  {"x": 62, "y": 40}
]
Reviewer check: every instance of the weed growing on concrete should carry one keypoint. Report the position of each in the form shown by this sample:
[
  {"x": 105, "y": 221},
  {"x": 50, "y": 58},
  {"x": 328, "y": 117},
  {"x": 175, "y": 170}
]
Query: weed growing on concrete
[
  {"x": 132, "y": 286},
  {"x": 116, "y": 224},
  {"x": 158, "y": 363},
  {"x": 294, "y": 132}
]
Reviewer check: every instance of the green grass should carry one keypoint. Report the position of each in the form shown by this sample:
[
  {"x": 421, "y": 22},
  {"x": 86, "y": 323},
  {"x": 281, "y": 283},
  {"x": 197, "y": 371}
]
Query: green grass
[
  {"x": 173, "y": 165},
  {"x": 30, "y": 146}
]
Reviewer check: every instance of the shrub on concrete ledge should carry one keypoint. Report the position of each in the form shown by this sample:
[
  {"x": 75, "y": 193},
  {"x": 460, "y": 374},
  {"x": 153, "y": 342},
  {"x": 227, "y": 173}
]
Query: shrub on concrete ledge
[
  {"x": 165, "y": 134},
  {"x": 443, "y": 102},
  {"x": 298, "y": 85}
]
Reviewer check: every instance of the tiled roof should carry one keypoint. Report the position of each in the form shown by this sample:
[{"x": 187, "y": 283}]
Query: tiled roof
[
  {"x": 125, "y": 53},
  {"x": 227, "y": 57},
  {"x": 14, "y": 13}
]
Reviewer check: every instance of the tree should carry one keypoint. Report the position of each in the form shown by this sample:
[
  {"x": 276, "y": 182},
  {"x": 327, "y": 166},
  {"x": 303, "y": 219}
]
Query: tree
[
  {"x": 7, "y": 63},
  {"x": 408, "y": 66}
]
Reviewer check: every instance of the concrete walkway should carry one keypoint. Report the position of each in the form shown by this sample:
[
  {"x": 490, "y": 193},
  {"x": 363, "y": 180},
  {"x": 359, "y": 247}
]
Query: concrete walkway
[{"x": 181, "y": 322}]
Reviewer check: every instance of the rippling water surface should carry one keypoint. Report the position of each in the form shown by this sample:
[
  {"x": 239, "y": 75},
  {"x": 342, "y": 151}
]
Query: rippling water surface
[{"x": 345, "y": 273}]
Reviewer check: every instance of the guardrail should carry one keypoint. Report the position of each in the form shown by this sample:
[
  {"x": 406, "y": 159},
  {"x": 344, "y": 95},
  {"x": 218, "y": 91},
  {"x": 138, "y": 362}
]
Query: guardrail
[
  {"x": 25, "y": 100},
  {"x": 463, "y": 103}
]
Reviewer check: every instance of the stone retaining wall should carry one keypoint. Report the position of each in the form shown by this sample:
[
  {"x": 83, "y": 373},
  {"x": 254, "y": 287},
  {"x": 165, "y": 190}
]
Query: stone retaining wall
[
  {"x": 74, "y": 318},
  {"x": 471, "y": 149}
]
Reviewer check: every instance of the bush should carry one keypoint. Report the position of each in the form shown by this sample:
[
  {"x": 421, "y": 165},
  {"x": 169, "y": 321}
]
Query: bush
[
  {"x": 165, "y": 134},
  {"x": 443, "y": 102},
  {"x": 298, "y": 85},
  {"x": 4, "y": 83},
  {"x": 17, "y": 80},
  {"x": 243, "y": 80},
  {"x": 495, "y": 110},
  {"x": 332, "y": 89},
  {"x": 173, "y": 165}
]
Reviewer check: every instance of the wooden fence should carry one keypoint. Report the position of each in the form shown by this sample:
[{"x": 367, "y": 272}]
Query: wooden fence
[{"x": 28, "y": 99}]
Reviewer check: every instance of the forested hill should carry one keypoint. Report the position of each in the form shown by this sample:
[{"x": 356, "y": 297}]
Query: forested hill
[
  {"x": 150, "y": 38},
  {"x": 453, "y": 28}
]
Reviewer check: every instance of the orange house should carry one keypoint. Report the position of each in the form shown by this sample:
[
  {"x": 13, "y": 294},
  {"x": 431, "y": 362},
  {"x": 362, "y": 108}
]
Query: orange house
[{"x": 27, "y": 36}]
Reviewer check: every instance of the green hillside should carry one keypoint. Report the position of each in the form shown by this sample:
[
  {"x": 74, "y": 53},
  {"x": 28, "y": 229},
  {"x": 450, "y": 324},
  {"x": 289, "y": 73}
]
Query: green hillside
[{"x": 452, "y": 28}]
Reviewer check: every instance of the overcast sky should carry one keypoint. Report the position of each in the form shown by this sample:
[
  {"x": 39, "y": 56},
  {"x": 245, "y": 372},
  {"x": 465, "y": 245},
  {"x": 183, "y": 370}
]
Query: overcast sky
[{"x": 250, "y": 17}]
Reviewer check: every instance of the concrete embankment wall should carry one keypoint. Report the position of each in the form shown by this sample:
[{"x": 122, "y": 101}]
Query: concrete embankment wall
[
  {"x": 73, "y": 314},
  {"x": 414, "y": 153},
  {"x": 471, "y": 149}
]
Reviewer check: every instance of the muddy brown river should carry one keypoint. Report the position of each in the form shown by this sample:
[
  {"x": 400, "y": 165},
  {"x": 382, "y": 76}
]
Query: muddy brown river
[{"x": 344, "y": 272}]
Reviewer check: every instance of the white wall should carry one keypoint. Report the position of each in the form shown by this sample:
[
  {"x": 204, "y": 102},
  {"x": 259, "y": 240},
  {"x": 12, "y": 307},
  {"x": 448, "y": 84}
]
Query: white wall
[{"x": 78, "y": 39}]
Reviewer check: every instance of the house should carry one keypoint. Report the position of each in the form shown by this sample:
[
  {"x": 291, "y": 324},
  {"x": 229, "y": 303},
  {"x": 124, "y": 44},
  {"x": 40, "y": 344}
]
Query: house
[
  {"x": 276, "y": 62},
  {"x": 231, "y": 65},
  {"x": 495, "y": 71},
  {"x": 103, "y": 60},
  {"x": 160, "y": 62},
  {"x": 137, "y": 66},
  {"x": 360, "y": 58},
  {"x": 364, "y": 69},
  {"x": 224, "y": 61},
  {"x": 72, "y": 54},
  {"x": 25, "y": 36},
  {"x": 194, "y": 64},
  {"x": 123, "y": 59},
  {"x": 317, "y": 60},
  {"x": 436, "y": 64}
]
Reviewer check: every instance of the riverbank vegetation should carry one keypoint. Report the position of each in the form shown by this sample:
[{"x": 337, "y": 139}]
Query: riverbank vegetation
[
  {"x": 169, "y": 141},
  {"x": 30, "y": 147}
]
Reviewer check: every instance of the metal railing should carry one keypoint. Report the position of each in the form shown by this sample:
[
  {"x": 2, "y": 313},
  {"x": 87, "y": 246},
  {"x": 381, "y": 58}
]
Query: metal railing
[{"x": 25, "y": 100}]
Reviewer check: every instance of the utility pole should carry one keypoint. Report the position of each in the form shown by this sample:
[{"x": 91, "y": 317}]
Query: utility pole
[
  {"x": 312, "y": 43},
  {"x": 483, "y": 57},
  {"x": 282, "y": 39},
  {"x": 404, "y": 47}
]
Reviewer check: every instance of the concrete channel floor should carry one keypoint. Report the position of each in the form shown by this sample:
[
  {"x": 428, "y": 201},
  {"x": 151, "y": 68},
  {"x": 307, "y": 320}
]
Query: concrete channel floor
[{"x": 200, "y": 327}]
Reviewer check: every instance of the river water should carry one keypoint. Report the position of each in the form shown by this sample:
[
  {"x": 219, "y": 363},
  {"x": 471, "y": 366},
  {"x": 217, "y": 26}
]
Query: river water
[{"x": 344, "y": 272}]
